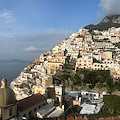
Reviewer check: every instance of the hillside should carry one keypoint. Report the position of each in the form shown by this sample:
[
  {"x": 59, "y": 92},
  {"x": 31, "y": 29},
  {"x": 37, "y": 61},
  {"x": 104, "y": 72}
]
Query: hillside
[
  {"x": 87, "y": 79},
  {"x": 107, "y": 22}
]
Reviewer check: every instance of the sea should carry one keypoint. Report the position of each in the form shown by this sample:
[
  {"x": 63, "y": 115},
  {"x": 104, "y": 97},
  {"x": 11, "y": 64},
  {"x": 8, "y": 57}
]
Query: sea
[{"x": 12, "y": 68}]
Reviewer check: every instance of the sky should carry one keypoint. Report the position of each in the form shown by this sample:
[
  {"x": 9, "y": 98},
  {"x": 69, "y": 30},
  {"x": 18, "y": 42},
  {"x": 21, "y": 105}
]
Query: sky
[{"x": 29, "y": 28}]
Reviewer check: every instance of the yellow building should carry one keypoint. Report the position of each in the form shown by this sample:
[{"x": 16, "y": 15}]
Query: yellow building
[
  {"x": 46, "y": 80},
  {"x": 57, "y": 65},
  {"x": 50, "y": 70},
  {"x": 11, "y": 109},
  {"x": 39, "y": 89},
  {"x": 61, "y": 59},
  {"x": 55, "y": 49},
  {"x": 8, "y": 103},
  {"x": 109, "y": 55},
  {"x": 61, "y": 53},
  {"x": 41, "y": 58},
  {"x": 29, "y": 106},
  {"x": 88, "y": 37}
]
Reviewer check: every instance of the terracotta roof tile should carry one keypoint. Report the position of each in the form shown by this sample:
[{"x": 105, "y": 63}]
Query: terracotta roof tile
[
  {"x": 70, "y": 118},
  {"x": 30, "y": 101},
  {"x": 78, "y": 117}
]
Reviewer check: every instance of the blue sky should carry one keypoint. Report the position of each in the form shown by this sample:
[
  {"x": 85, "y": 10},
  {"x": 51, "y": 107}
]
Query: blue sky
[{"x": 31, "y": 27}]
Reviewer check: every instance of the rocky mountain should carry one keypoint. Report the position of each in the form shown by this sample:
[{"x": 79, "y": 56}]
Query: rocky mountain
[{"x": 107, "y": 22}]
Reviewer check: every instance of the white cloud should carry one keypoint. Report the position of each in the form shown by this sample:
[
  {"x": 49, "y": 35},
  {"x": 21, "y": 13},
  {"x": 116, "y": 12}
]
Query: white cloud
[
  {"x": 31, "y": 49},
  {"x": 109, "y": 7},
  {"x": 31, "y": 45},
  {"x": 7, "y": 16}
]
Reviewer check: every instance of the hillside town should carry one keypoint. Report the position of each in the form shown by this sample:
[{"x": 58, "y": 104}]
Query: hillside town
[{"x": 95, "y": 50}]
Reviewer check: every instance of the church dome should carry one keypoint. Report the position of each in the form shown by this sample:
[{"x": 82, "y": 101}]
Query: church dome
[{"x": 7, "y": 95}]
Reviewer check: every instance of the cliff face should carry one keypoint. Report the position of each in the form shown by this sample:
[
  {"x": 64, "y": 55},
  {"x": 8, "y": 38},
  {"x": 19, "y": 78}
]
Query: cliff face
[
  {"x": 112, "y": 19},
  {"x": 107, "y": 22}
]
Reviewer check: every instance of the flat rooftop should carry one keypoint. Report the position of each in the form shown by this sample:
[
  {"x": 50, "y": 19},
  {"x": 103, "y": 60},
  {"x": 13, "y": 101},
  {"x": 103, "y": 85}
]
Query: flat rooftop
[
  {"x": 55, "y": 113},
  {"x": 46, "y": 109},
  {"x": 74, "y": 93},
  {"x": 91, "y": 109}
]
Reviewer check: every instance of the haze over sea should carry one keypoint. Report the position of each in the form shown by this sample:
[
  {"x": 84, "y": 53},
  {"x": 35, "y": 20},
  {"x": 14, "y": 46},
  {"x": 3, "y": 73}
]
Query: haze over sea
[{"x": 12, "y": 68}]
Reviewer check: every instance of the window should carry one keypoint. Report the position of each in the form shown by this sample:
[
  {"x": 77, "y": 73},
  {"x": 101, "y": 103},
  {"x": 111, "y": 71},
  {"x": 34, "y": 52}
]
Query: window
[
  {"x": 34, "y": 109},
  {"x": 10, "y": 111},
  {"x": 29, "y": 112}
]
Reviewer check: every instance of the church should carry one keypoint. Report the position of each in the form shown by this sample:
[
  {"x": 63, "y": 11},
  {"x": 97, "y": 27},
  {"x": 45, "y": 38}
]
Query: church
[{"x": 11, "y": 109}]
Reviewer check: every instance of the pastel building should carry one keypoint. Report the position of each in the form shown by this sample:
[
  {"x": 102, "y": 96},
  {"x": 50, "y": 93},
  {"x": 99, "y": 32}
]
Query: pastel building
[
  {"x": 55, "y": 49},
  {"x": 46, "y": 80},
  {"x": 99, "y": 37},
  {"x": 26, "y": 75},
  {"x": 28, "y": 106},
  {"x": 88, "y": 37},
  {"x": 96, "y": 66},
  {"x": 114, "y": 39},
  {"x": 8, "y": 103},
  {"x": 106, "y": 55},
  {"x": 103, "y": 45},
  {"x": 10, "y": 109},
  {"x": 57, "y": 65},
  {"x": 85, "y": 62},
  {"x": 61, "y": 59}
]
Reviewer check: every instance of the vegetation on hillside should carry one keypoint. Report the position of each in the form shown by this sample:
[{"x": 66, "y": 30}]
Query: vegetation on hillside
[
  {"x": 112, "y": 104},
  {"x": 111, "y": 107},
  {"x": 84, "y": 77}
]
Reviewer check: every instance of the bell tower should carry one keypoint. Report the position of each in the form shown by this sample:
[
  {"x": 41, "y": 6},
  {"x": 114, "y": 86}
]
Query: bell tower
[{"x": 4, "y": 83}]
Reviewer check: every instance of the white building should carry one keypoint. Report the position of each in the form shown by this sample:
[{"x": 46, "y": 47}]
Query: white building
[{"x": 91, "y": 109}]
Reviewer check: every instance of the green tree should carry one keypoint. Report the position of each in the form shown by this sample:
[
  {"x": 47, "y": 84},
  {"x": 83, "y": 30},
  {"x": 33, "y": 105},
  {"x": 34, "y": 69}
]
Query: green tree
[{"x": 112, "y": 104}]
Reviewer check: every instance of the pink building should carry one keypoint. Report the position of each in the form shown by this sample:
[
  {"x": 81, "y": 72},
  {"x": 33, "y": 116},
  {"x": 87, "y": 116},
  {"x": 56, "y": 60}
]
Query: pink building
[
  {"x": 94, "y": 48},
  {"x": 99, "y": 37},
  {"x": 85, "y": 63},
  {"x": 117, "y": 33},
  {"x": 36, "y": 61},
  {"x": 82, "y": 52},
  {"x": 82, "y": 33},
  {"x": 106, "y": 55}
]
